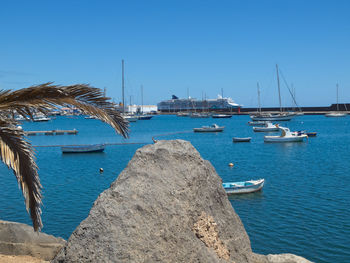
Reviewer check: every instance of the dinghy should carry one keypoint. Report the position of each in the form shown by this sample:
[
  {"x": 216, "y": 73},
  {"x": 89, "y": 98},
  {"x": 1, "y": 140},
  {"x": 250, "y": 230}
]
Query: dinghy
[
  {"x": 240, "y": 139},
  {"x": 83, "y": 148},
  {"x": 245, "y": 187}
]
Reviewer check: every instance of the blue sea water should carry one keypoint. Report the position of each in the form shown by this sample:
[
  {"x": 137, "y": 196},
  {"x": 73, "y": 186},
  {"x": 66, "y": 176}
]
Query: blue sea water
[{"x": 303, "y": 209}]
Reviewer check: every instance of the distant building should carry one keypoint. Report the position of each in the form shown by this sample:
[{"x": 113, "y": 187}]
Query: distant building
[
  {"x": 190, "y": 104},
  {"x": 141, "y": 109}
]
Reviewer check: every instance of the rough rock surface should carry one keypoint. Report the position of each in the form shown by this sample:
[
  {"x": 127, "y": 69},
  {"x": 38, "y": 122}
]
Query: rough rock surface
[
  {"x": 21, "y": 259},
  {"x": 20, "y": 239},
  {"x": 286, "y": 258},
  {"x": 168, "y": 205}
]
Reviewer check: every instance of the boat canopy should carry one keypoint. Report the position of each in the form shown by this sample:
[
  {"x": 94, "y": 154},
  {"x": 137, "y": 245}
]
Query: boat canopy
[{"x": 285, "y": 131}]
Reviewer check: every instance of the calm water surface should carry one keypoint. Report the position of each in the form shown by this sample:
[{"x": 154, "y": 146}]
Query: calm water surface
[{"x": 303, "y": 209}]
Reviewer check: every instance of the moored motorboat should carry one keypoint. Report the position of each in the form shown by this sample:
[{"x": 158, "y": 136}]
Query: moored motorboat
[
  {"x": 183, "y": 114},
  {"x": 241, "y": 139},
  {"x": 83, "y": 148},
  {"x": 40, "y": 118},
  {"x": 286, "y": 136},
  {"x": 199, "y": 115},
  {"x": 336, "y": 114},
  {"x": 130, "y": 118},
  {"x": 89, "y": 117},
  {"x": 256, "y": 123},
  {"x": 222, "y": 116},
  {"x": 268, "y": 127},
  {"x": 244, "y": 187},
  {"x": 211, "y": 128},
  {"x": 144, "y": 117}
]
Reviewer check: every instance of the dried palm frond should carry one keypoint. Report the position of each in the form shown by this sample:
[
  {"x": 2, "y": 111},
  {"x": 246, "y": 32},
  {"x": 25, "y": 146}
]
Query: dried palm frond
[
  {"x": 47, "y": 96},
  {"x": 18, "y": 154}
]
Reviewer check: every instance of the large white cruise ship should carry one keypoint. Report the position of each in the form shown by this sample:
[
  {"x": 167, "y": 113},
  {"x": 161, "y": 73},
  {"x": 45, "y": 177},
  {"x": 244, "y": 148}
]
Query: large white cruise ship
[{"x": 191, "y": 104}]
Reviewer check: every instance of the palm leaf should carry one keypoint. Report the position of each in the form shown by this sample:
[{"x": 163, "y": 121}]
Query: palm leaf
[
  {"x": 47, "y": 96},
  {"x": 18, "y": 154}
]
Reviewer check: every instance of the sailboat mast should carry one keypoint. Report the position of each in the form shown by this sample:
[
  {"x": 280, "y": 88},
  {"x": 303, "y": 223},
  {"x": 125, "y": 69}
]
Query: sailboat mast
[
  {"x": 259, "y": 97},
  {"x": 188, "y": 98},
  {"x": 222, "y": 98},
  {"x": 279, "y": 89},
  {"x": 337, "y": 99},
  {"x": 123, "y": 85},
  {"x": 141, "y": 99}
]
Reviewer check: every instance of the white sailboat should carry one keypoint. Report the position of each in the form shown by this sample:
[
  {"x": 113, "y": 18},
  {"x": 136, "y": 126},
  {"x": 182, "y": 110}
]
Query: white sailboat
[
  {"x": 282, "y": 116},
  {"x": 128, "y": 117},
  {"x": 336, "y": 113},
  {"x": 142, "y": 115}
]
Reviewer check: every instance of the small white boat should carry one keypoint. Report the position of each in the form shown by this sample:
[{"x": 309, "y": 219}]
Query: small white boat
[
  {"x": 89, "y": 117},
  {"x": 336, "y": 114},
  {"x": 245, "y": 187},
  {"x": 20, "y": 118},
  {"x": 41, "y": 118},
  {"x": 268, "y": 127},
  {"x": 83, "y": 148},
  {"x": 199, "y": 115},
  {"x": 241, "y": 139},
  {"x": 183, "y": 114},
  {"x": 256, "y": 123},
  {"x": 221, "y": 116},
  {"x": 144, "y": 117},
  {"x": 286, "y": 136},
  {"x": 130, "y": 118},
  {"x": 212, "y": 128}
]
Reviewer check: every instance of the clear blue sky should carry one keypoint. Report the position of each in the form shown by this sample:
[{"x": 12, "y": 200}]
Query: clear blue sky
[{"x": 172, "y": 46}]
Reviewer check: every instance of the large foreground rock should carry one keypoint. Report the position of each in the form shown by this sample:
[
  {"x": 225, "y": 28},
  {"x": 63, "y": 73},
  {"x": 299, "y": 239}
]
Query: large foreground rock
[
  {"x": 20, "y": 239},
  {"x": 168, "y": 205}
]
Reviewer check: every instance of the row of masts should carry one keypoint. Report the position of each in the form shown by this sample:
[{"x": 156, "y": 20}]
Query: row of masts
[
  {"x": 123, "y": 88},
  {"x": 291, "y": 93}
]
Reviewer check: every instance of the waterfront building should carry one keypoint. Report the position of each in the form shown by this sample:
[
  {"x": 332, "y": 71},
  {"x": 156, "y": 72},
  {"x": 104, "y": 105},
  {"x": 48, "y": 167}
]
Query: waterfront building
[
  {"x": 191, "y": 104},
  {"x": 141, "y": 108}
]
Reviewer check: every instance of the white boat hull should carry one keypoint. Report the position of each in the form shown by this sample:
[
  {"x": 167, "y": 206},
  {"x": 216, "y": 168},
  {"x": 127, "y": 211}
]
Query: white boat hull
[
  {"x": 200, "y": 116},
  {"x": 264, "y": 129},
  {"x": 83, "y": 148},
  {"x": 238, "y": 139},
  {"x": 277, "y": 117},
  {"x": 277, "y": 139},
  {"x": 130, "y": 118},
  {"x": 236, "y": 188},
  {"x": 208, "y": 129},
  {"x": 335, "y": 114},
  {"x": 256, "y": 123},
  {"x": 221, "y": 116}
]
